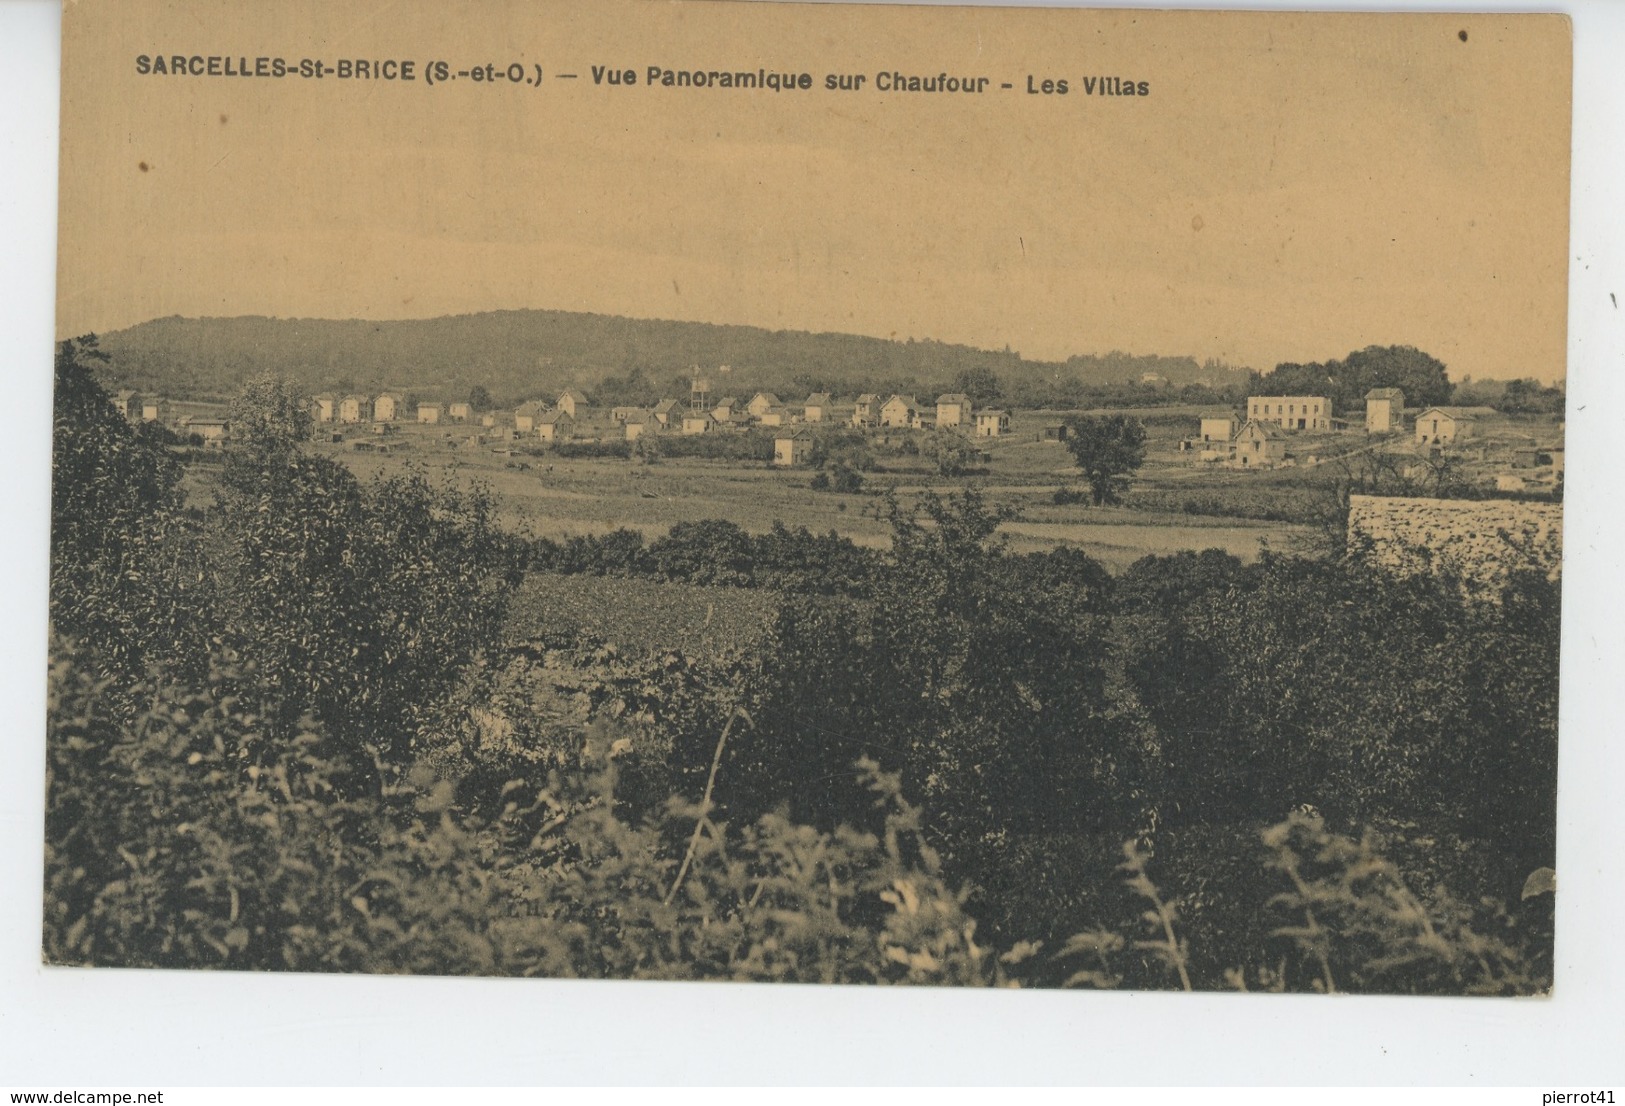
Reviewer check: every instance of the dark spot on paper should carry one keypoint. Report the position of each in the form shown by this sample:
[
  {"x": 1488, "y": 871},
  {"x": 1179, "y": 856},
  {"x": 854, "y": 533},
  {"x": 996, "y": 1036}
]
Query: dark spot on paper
[
  {"x": 222, "y": 118},
  {"x": 1462, "y": 35},
  {"x": 141, "y": 165},
  {"x": 1197, "y": 223}
]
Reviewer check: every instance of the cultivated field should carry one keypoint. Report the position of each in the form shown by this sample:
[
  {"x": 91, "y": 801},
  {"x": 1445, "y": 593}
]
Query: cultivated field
[{"x": 555, "y": 497}]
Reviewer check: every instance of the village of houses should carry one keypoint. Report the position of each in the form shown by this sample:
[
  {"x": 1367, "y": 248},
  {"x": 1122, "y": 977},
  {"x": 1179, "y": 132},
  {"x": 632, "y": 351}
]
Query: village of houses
[{"x": 1271, "y": 432}]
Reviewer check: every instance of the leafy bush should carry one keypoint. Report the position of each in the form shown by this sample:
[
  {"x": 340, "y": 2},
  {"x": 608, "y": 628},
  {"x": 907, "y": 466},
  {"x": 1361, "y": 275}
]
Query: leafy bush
[
  {"x": 182, "y": 837},
  {"x": 358, "y": 605},
  {"x": 749, "y": 445},
  {"x": 1337, "y": 684},
  {"x": 710, "y": 552},
  {"x": 1343, "y": 919},
  {"x": 715, "y": 551},
  {"x": 841, "y": 477},
  {"x": 621, "y": 450},
  {"x": 952, "y": 454},
  {"x": 125, "y": 566}
]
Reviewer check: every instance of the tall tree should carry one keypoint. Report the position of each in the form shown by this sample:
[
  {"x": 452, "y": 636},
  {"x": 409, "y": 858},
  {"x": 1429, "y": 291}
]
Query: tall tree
[
  {"x": 1420, "y": 376},
  {"x": 120, "y": 574},
  {"x": 270, "y": 412},
  {"x": 1109, "y": 449},
  {"x": 980, "y": 383}
]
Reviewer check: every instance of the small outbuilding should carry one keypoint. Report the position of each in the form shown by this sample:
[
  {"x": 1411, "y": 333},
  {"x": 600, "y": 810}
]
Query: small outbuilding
[{"x": 1442, "y": 425}]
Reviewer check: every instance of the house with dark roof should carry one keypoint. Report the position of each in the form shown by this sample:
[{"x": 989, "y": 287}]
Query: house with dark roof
[
  {"x": 355, "y": 408},
  {"x": 792, "y": 446},
  {"x": 554, "y": 426},
  {"x": 698, "y": 422}
]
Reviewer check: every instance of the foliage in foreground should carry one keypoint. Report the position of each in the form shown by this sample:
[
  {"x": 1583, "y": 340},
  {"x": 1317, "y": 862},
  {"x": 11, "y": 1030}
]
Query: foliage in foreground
[{"x": 183, "y": 838}]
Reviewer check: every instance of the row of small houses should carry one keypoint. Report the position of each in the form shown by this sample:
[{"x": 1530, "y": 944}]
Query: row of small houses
[
  {"x": 386, "y": 407},
  {"x": 870, "y": 411},
  {"x": 953, "y": 410}
]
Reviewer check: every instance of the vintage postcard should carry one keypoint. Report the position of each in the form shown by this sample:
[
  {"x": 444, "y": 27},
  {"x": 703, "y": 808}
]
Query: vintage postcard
[{"x": 809, "y": 493}]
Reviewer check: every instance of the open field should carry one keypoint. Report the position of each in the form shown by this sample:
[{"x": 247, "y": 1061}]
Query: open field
[
  {"x": 1172, "y": 505},
  {"x": 639, "y": 614},
  {"x": 555, "y": 497}
]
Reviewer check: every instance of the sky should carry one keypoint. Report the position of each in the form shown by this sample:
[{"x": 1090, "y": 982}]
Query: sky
[{"x": 1292, "y": 188}]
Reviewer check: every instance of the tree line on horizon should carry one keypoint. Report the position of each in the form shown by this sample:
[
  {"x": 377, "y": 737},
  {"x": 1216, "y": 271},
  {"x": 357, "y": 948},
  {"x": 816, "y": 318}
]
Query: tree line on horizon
[{"x": 520, "y": 355}]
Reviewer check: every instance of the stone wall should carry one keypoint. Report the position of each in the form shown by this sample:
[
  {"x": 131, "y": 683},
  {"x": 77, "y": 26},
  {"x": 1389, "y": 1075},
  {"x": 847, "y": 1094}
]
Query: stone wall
[{"x": 1482, "y": 540}]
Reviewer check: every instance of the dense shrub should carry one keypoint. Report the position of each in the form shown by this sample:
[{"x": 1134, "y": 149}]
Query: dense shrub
[
  {"x": 619, "y": 450},
  {"x": 749, "y": 445},
  {"x": 181, "y": 837},
  {"x": 708, "y": 552},
  {"x": 358, "y": 605},
  {"x": 1343, "y": 686},
  {"x": 126, "y": 568},
  {"x": 715, "y": 551}
]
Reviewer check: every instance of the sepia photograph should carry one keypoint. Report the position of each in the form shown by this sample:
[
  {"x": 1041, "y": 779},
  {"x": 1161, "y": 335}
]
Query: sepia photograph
[
  {"x": 1036, "y": 499},
  {"x": 787, "y": 494}
]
